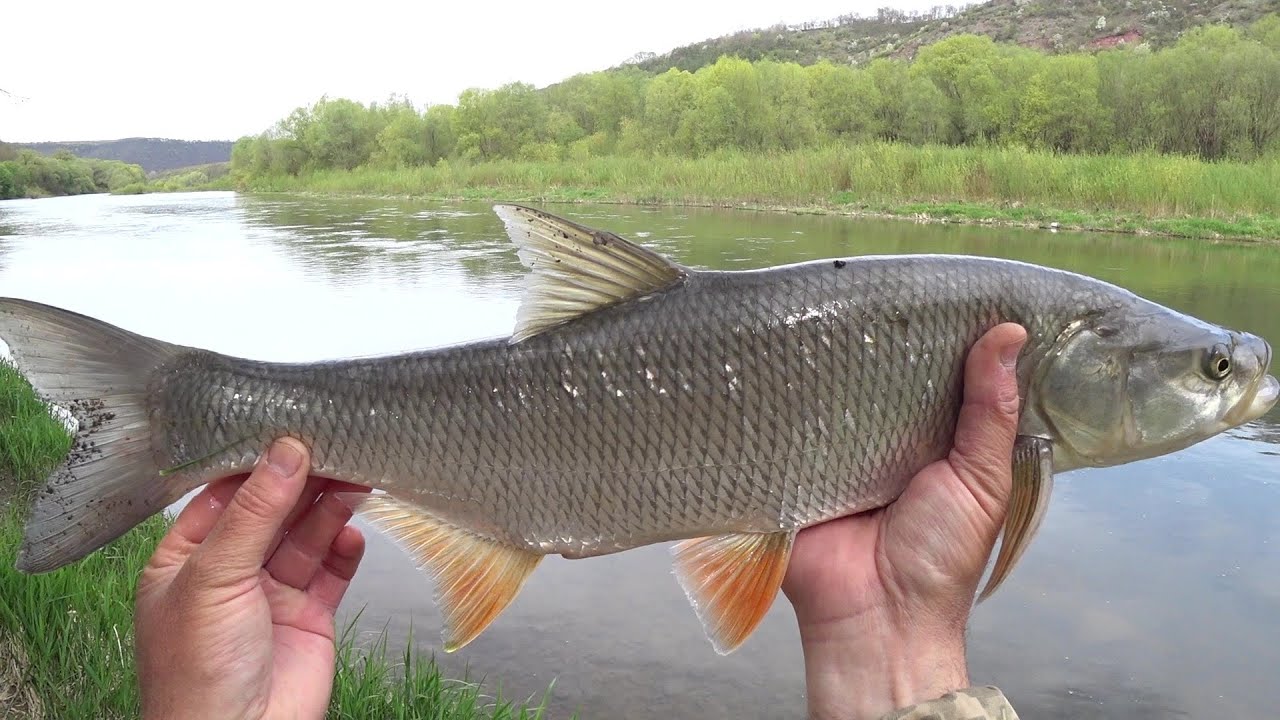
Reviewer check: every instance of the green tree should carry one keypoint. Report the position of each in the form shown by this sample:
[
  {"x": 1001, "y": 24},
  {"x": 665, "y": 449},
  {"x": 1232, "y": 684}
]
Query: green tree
[
  {"x": 731, "y": 97},
  {"x": 341, "y": 134},
  {"x": 498, "y": 123},
  {"x": 958, "y": 66},
  {"x": 1060, "y": 108},
  {"x": 441, "y": 140},
  {"x": 599, "y": 102},
  {"x": 403, "y": 141},
  {"x": 1129, "y": 90},
  {"x": 9, "y": 187},
  {"x": 845, "y": 100},
  {"x": 991, "y": 93},
  {"x": 1193, "y": 81},
  {"x": 714, "y": 119},
  {"x": 924, "y": 113},
  {"x": 788, "y": 121},
  {"x": 1267, "y": 31},
  {"x": 1251, "y": 109},
  {"x": 668, "y": 104}
]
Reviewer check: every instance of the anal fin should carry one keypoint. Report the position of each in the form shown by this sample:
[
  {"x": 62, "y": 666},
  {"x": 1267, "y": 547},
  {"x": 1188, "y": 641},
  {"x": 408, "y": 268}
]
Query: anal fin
[
  {"x": 1028, "y": 501},
  {"x": 732, "y": 580},
  {"x": 476, "y": 577}
]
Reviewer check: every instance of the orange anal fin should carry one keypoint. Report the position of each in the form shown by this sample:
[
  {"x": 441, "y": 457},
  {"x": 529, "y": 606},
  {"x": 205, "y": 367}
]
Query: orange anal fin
[
  {"x": 732, "y": 580},
  {"x": 476, "y": 577}
]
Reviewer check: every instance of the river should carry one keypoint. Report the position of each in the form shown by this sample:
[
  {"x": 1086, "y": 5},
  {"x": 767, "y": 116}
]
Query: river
[{"x": 1153, "y": 589}]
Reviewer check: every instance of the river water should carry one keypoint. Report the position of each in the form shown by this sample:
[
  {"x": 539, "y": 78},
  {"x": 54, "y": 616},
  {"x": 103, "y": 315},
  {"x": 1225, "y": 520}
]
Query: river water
[{"x": 1153, "y": 589}]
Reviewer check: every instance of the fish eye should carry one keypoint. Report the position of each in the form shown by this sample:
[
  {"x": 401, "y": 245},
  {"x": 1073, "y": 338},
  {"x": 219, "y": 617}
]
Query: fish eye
[{"x": 1218, "y": 363}]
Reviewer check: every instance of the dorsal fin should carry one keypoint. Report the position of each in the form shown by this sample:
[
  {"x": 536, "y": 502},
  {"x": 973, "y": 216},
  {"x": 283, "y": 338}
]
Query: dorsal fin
[{"x": 576, "y": 270}]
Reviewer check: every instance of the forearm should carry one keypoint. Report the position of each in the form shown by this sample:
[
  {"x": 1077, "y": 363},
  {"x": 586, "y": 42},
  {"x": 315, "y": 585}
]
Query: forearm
[{"x": 861, "y": 669}]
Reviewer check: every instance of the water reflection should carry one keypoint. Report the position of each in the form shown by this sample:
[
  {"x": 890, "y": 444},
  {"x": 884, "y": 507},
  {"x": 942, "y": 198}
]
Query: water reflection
[
  {"x": 351, "y": 238},
  {"x": 1152, "y": 590}
]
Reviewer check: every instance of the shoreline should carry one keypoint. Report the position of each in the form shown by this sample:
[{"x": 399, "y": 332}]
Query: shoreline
[
  {"x": 1141, "y": 194},
  {"x": 1248, "y": 229}
]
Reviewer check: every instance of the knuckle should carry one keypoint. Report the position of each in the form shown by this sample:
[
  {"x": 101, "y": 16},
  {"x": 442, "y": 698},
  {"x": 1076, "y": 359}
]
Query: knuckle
[{"x": 257, "y": 500}]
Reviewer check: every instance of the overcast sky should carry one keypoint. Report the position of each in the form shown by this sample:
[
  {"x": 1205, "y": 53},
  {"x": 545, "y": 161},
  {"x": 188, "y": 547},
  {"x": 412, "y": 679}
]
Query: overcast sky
[{"x": 99, "y": 70}]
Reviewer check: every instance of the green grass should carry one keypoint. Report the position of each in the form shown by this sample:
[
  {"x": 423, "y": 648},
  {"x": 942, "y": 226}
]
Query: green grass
[
  {"x": 1151, "y": 193},
  {"x": 66, "y": 637},
  {"x": 75, "y": 624},
  {"x": 31, "y": 442},
  {"x": 371, "y": 685}
]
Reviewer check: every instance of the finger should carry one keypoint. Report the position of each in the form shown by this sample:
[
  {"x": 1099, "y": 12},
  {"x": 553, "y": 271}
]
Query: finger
[
  {"x": 306, "y": 500},
  {"x": 331, "y": 582},
  {"x": 236, "y": 547},
  {"x": 299, "y": 555},
  {"x": 195, "y": 521},
  {"x": 315, "y": 486},
  {"x": 988, "y": 425}
]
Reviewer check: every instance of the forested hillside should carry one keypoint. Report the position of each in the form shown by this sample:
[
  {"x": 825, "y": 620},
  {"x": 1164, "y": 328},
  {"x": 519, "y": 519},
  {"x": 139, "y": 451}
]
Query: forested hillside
[
  {"x": 1213, "y": 94},
  {"x": 1053, "y": 26},
  {"x": 24, "y": 173},
  {"x": 152, "y": 154}
]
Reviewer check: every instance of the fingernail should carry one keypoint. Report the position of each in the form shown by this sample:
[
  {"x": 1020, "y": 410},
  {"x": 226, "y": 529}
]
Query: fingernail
[
  {"x": 1009, "y": 354},
  {"x": 284, "y": 458}
]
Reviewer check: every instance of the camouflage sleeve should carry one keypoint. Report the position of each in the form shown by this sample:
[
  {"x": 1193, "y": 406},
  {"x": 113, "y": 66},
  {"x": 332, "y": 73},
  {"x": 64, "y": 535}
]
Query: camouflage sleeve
[{"x": 975, "y": 703}]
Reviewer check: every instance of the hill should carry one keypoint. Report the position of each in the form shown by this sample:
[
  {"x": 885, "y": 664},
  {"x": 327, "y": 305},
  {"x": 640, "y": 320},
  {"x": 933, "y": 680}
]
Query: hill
[
  {"x": 1053, "y": 25},
  {"x": 153, "y": 154}
]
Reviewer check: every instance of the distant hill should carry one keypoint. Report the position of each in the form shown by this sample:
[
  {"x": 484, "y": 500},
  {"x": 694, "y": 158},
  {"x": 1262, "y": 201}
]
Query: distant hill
[
  {"x": 1055, "y": 26},
  {"x": 153, "y": 154}
]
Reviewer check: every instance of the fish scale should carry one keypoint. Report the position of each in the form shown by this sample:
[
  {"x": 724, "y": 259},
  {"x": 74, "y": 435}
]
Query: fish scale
[{"x": 636, "y": 402}]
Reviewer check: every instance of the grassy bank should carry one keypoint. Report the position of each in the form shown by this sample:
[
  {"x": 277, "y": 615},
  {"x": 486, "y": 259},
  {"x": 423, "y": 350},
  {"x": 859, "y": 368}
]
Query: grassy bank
[
  {"x": 1157, "y": 194},
  {"x": 66, "y": 647}
]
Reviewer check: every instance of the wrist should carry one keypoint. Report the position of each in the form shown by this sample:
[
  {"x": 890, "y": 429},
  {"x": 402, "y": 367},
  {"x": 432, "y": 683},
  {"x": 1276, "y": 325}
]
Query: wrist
[{"x": 861, "y": 668}]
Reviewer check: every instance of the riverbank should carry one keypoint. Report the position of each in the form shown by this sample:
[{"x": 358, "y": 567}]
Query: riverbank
[
  {"x": 66, "y": 647},
  {"x": 1141, "y": 194}
]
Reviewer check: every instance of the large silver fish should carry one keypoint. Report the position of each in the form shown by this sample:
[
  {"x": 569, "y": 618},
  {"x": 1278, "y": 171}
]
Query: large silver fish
[{"x": 637, "y": 402}]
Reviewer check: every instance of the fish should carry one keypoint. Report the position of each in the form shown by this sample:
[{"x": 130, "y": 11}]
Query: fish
[{"x": 640, "y": 401}]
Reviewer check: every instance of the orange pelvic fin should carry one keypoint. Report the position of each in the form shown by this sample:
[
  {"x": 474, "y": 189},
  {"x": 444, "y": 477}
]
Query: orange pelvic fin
[
  {"x": 476, "y": 577},
  {"x": 731, "y": 580}
]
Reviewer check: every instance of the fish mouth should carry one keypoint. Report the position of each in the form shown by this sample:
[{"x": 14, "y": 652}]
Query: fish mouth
[
  {"x": 1264, "y": 398},
  {"x": 1266, "y": 390}
]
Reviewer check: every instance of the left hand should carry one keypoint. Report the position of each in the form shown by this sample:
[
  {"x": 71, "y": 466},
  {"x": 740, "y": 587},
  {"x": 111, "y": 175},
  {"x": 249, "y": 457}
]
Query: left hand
[{"x": 235, "y": 610}]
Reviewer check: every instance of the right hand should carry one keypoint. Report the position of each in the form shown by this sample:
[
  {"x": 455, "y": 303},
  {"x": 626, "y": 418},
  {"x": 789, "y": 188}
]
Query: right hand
[{"x": 882, "y": 598}]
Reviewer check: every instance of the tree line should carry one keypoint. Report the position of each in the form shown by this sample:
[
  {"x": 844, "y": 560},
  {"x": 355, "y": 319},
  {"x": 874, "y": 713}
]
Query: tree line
[
  {"x": 25, "y": 173},
  {"x": 1214, "y": 94}
]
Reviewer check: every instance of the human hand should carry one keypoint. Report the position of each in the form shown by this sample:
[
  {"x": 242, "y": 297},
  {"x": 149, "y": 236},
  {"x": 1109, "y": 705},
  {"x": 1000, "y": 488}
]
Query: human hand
[
  {"x": 882, "y": 598},
  {"x": 235, "y": 610}
]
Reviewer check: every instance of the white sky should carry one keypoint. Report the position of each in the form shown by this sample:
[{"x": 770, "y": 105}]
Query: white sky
[{"x": 92, "y": 70}]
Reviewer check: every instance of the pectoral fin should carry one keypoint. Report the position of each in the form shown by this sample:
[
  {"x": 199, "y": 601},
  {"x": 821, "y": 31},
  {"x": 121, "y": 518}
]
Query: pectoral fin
[
  {"x": 1028, "y": 501},
  {"x": 731, "y": 580},
  {"x": 476, "y": 577}
]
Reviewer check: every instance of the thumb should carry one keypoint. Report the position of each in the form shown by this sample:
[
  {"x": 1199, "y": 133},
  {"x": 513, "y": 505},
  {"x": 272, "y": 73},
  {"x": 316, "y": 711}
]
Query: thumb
[
  {"x": 982, "y": 452},
  {"x": 237, "y": 546}
]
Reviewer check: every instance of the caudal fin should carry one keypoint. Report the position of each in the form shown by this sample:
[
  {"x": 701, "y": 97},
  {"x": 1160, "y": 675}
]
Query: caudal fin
[{"x": 110, "y": 481}]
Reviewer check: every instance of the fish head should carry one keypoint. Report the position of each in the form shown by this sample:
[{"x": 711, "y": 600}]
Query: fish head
[{"x": 1141, "y": 380}]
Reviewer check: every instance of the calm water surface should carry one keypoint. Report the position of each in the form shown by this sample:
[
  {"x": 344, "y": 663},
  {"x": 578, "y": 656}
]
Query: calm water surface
[{"x": 1153, "y": 589}]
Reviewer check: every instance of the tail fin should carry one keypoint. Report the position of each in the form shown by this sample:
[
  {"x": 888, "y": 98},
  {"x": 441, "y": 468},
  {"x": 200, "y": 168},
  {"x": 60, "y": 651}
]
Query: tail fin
[{"x": 110, "y": 481}]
